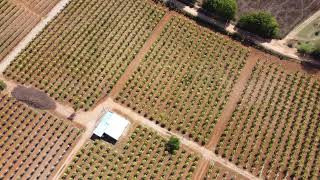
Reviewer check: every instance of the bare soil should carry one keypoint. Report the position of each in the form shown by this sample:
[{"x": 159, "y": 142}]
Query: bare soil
[{"x": 34, "y": 98}]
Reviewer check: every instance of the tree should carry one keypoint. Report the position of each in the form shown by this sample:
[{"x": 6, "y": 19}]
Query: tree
[
  {"x": 260, "y": 23},
  {"x": 173, "y": 144},
  {"x": 226, "y": 9},
  {"x": 2, "y": 85}
]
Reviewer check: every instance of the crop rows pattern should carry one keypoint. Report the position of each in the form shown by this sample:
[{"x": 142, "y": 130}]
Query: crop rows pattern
[
  {"x": 81, "y": 54},
  {"x": 275, "y": 130},
  {"x": 15, "y": 23},
  {"x": 185, "y": 79},
  {"x": 143, "y": 157},
  {"x": 218, "y": 172},
  {"x": 32, "y": 144},
  {"x": 40, "y": 7}
]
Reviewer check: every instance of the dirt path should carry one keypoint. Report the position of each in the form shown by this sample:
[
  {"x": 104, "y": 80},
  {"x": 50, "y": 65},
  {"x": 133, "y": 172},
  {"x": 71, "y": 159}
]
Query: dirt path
[
  {"x": 234, "y": 98},
  {"x": 297, "y": 29},
  {"x": 32, "y": 34},
  {"x": 206, "y": 153},
  {"x": 139, "y": 57},
  {"x": 276, "y": 46},
  {"x": 201, "y": 169},
  {"x": 85, "y": 136}
]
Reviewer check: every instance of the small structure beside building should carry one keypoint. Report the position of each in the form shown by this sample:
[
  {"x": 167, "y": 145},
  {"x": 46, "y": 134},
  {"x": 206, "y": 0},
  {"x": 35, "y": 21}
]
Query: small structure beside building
[{"x": 110, "y": 127}]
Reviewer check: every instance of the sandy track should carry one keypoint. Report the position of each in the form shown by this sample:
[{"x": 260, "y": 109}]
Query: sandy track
[{"x": 207, "y": 154}]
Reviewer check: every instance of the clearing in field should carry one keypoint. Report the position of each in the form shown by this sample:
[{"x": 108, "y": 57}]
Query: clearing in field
[
  {"x": 32, "y": 144},
  {"x": 275, "y": 128},
  {"x": 81, "y": 54},
  {"x": 17, "y": 18},
  {"x": 185, "y": 79},
  {"x": 143, "y": 157}
]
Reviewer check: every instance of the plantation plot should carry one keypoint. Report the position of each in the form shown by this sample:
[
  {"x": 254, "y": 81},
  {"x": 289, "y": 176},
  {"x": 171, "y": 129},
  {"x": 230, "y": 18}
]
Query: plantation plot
[
  {"x": 17, "y": 18},
  {"x": 79, "y": 56},
  {"x": 32, "y": 144},
  {"x": 15, "y": 23},
  {"x": 275, "y": 129},
  {"x": 41, "y": 7},
  {"x": 185, "y": 79},
  {"x": 143, "y": 157},
  {"x": 217, "y": 171}
]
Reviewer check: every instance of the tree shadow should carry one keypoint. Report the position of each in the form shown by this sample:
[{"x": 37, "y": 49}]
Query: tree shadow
[{"x": 310, "y": 67}]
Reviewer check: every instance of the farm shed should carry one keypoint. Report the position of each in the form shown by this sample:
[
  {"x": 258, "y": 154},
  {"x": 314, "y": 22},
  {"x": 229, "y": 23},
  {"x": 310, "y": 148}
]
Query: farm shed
[{"x": 111, "y": 126}]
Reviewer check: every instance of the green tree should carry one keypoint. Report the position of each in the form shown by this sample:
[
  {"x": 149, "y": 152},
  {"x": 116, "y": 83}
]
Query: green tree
[
  {"x": 2, "y": 85},
  {"x": 173, "y": 144},
  {"x": 260, "y": 23},
  {"x": 226, "y": 9}
]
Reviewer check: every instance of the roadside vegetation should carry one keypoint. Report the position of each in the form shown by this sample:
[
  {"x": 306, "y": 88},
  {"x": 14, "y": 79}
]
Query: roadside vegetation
[
  {"x": 260, "y": 23},
  {"x": 306, "y": 48},
  {"x": 226, "y": 9}
]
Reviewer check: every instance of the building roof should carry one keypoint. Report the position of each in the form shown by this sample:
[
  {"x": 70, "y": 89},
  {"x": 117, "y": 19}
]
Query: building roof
[{"x": 111, "y": 124}]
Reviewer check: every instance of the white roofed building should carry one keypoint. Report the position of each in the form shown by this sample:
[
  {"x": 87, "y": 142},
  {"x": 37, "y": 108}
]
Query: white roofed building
[{"x": 112, "y": 125}]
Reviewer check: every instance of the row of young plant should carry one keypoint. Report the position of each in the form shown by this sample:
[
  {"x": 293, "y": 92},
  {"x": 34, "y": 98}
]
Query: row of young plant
[
  {"x": 217, "y": 172},
  {"x": 79, "y": 57},
  {"x": 145, "y": 156},
  {"x": 185, "y": 79},
  {"x": 274, "y": 130},
  {"x": 32, "y": 143},
  {"x": 15, "y": 23}
]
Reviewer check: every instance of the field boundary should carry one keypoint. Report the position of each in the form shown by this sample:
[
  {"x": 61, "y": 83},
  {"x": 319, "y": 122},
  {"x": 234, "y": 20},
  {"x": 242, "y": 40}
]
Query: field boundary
[
  {"x": 204, "y": 152},
  {"x": 32, "y": 34},
  {"x": 234, "y": 98},
  {"x": 274, "y": 46},
  {"x": 142, "y": 52}
]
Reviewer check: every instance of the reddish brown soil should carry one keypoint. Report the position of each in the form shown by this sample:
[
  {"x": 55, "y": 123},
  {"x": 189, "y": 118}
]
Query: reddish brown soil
[
  {"x": 201, "y": 169},
  {"x": 234, "y": 98}
]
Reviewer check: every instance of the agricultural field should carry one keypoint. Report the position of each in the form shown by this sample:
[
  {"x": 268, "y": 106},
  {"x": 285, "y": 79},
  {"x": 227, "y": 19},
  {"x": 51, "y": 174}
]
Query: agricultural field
[
  {"x": 184, "y": 81},
  {"x": 143, "y": 157},
  {"x": 17, "y": 18},
  {"x": 33, "y": 144},
  {"x": 81, "y": 54},
  {"x": 217, "y": 172},
  {"x": 274, "y": 131}
]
